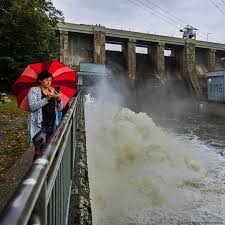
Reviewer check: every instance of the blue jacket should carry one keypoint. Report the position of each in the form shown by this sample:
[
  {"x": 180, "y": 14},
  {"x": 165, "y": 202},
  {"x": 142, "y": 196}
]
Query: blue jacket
[{"x": 35, "y": 118}]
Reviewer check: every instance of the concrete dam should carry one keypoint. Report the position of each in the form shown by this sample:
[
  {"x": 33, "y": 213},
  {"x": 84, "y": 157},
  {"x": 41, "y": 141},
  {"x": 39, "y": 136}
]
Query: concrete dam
[
  {"x": 145, "y": 168},
  {"x": 182, "y": 63}
]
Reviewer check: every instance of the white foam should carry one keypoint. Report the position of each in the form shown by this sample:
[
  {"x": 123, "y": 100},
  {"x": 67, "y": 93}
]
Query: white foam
[{"x": 140, "y": 174}]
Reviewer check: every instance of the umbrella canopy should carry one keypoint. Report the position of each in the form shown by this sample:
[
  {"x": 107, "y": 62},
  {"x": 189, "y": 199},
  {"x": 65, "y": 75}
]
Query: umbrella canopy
[{"x": 63, "y": 77}]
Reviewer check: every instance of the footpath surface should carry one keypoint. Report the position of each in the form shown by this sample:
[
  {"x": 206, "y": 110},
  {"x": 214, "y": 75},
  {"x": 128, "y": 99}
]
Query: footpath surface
[{"x": 15, "y": 160}]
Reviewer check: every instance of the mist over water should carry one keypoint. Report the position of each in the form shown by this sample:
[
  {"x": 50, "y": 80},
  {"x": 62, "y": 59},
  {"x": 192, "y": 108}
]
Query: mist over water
[{"x": 140, "y": 173}]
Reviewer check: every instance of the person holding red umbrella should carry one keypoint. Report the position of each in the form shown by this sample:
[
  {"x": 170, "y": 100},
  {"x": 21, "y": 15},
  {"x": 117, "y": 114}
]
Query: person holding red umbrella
[
  {"x": 44, "y": 104},
  {"x": 37, "y": 90}
]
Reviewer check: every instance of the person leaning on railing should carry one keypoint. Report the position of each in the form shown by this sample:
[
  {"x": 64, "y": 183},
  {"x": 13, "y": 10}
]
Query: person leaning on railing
[{"x": 44, "y": 104}]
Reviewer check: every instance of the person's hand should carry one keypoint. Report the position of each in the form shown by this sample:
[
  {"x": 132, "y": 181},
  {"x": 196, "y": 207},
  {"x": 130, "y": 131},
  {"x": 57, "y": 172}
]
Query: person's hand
[{"x": 57, "y": 96}]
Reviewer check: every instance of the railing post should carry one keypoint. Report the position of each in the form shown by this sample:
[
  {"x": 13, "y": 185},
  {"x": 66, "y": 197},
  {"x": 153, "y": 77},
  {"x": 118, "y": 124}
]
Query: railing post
[
  {"x": 39, "y": 215},
  {"x": 73, "y": 141}
]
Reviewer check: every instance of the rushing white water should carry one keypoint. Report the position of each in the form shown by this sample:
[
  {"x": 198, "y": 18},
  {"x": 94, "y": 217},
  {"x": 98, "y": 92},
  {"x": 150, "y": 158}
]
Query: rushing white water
[{"x": 140, "y": 174}]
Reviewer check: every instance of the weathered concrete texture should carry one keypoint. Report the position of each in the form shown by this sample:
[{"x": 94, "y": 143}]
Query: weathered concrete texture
[
  {"x": 99, "y": 47},
  {"x": 130, "y": 54},
  {"x": 159, "y": 62},
  {"x": 123, "y": 34},
  {"x": 204, "y": 62},
  {"x": 61, "y": 36},
  {"x": 189, "y": 67},
  {"x": 202, "y": 67},
  {"x": 80, "y": 206},
  {"x": 179, "y": 62},
  {"x": 220, "y": 62},
  {"x": 81, "y": 49},
  {"x": 211, "y": 59},
  {"x": 64, "y": 47},
  {"x": 195, "y": 76}
]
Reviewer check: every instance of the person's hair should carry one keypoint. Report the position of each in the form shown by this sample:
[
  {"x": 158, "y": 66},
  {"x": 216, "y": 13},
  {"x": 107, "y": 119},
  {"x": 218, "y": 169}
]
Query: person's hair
[{"x": 43, "y": 75}]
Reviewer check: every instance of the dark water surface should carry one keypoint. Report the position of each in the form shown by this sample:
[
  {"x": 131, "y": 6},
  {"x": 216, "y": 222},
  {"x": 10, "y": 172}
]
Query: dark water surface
[{"x": 202, "y": 127}]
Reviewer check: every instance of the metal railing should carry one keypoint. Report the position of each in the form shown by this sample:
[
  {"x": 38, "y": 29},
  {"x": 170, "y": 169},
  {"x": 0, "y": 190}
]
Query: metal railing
[{"x": 44, "y": 195}]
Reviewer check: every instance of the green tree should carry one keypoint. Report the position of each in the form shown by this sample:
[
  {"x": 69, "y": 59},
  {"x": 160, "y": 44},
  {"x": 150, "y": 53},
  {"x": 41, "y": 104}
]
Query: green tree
[{"x": 28, "y": 34}]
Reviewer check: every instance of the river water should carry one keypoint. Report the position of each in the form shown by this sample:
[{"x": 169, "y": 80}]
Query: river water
[{"x": 154, "y": 171}]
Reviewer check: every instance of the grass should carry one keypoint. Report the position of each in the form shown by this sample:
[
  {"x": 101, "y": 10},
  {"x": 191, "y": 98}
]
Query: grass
[
  {"x": 11, "y": 108},
  {"x": 13, "y": 133}
]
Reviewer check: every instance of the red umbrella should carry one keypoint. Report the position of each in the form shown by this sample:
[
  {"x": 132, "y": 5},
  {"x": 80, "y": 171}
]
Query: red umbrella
[{"x": 63, "y": 76}]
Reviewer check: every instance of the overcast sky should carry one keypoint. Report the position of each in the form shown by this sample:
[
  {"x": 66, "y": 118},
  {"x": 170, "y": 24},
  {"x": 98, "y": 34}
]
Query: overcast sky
[{"x": 124, "y": 14}]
